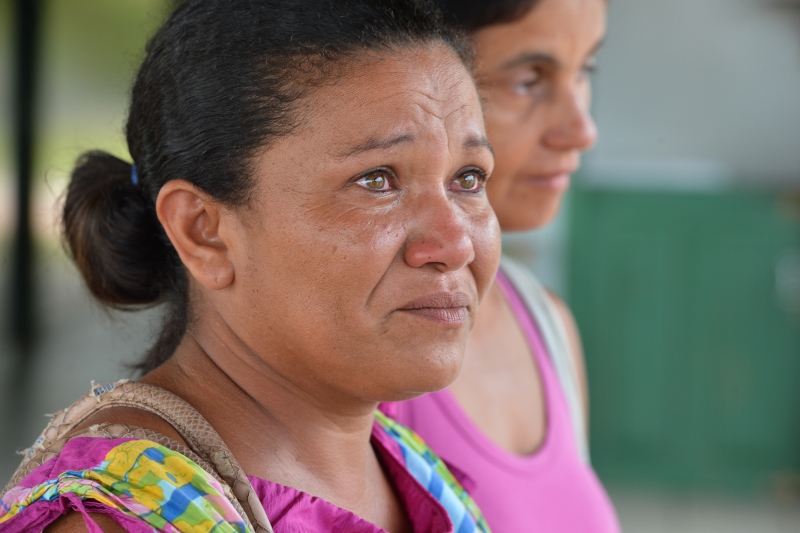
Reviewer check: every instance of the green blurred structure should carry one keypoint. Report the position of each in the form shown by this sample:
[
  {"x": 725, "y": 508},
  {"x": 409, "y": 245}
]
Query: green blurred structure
[{"x": 688, "y": 305}]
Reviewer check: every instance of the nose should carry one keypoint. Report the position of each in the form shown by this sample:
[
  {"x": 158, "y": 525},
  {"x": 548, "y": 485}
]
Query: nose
[
  {"x": 439, "y": 238},
  {"x": 573, "y": 126}
]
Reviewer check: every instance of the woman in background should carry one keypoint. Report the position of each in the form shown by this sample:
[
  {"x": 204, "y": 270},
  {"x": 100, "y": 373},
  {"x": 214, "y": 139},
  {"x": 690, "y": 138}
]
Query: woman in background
[
  {"x": 307, "y": 203},
  {"x": 515, "y": 420}
]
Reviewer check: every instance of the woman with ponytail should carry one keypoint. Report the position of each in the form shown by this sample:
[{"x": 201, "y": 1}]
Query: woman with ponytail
[{"x": 306, "y": 204}]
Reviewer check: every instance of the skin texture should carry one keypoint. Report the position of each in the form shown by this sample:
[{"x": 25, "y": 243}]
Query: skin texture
[
  {"x": 323, "y": 296},
  {"x": 535, "y": 77}
]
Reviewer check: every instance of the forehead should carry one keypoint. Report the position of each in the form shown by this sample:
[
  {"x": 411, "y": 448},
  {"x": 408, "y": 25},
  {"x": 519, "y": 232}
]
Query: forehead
[
  {"x": 556, "y": 27},
  {"x": 425, "y": 91}
]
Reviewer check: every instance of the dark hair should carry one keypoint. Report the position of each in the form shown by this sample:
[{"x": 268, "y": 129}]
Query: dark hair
[
  {"x": 221, "y": 80},
  {"x": 473, "y": 15}
]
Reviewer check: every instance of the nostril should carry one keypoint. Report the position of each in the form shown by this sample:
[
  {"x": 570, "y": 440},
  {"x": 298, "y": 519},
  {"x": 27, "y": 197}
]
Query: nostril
[{"x": 442, "y": 251}]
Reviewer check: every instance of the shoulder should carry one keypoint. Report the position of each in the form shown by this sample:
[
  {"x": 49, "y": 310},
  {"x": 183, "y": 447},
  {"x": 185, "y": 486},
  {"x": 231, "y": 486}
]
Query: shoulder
[
  {"x": 576, "y": 348},
  {"x": 89, "y": 468},
  {"x": 525, "y": 282},
  {"x": 75, "y": 523},
  {"x": 130, "y": 416},
  {"x": 564, "y": 313},
  {"x": 571, "y": 327},
  {"x": 548, "y": 307},
  {"x": 74, "y": 477}
]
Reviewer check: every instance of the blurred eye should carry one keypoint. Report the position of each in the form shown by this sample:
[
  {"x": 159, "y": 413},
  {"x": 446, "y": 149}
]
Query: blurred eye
[
  {"x": 470, "y": 181},
  {"x": 376, "y": 181},
  {"x": 530, "y": 81}
]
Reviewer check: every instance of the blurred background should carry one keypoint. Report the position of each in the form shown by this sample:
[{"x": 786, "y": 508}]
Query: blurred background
[{"x": 678, "y": 249}]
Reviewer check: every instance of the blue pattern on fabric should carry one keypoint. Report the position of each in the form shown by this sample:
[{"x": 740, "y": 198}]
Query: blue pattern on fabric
[{"x": 430, "y": 471}]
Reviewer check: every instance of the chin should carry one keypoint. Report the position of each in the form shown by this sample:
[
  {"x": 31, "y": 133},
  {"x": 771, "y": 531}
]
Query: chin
[
  {"x": 527, "y": 217},
  {"x": 434, "y": 372},
  {"x": 524, "y": 210}
]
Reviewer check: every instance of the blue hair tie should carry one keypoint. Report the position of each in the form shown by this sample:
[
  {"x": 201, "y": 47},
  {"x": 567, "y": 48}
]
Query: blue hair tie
[{"x": 134, "y": 175}]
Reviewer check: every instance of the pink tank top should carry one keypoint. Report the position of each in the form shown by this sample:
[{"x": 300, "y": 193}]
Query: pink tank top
[{"x": 551, "y": 491}]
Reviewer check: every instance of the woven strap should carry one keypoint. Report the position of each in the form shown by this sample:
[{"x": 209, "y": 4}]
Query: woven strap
[{"x": 205, "y": 446}]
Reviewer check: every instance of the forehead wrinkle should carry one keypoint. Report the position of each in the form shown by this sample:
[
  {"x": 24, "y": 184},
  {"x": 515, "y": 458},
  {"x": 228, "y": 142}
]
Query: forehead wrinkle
[
  {"x": 423, "y": 108},
  {"x": 384, "y": 143},
  {"x": 427, "y": 94}
]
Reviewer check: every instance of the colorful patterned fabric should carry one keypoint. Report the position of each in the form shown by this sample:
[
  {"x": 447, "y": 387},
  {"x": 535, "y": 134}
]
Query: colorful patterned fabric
[
  {"x": 143, "y": 480},
  {"x": 431, "y": 472},
  {"x": 157, "y": 489}
]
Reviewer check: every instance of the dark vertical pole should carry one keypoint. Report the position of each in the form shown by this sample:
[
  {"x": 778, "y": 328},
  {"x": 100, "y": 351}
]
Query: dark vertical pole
[{"x": 26, "y": 27}]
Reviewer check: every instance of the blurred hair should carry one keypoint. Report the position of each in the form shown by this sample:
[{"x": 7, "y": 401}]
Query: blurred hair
[
  {"x": 472, "y": 15},
  {"x": 221, "y": 80}
]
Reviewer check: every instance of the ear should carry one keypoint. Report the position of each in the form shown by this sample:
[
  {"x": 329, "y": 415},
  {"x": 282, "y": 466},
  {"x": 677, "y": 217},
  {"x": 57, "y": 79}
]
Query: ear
[{"x": 193, "y": 220}]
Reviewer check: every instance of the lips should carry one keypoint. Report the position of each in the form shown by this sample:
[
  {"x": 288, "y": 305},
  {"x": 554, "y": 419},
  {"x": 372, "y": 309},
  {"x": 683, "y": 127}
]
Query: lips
[
  {"x": 558, "y": 181},
  {"x": 446, "y": 308}
]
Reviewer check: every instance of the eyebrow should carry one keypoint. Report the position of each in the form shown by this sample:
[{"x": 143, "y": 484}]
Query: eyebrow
[
  {"x": 527, "y": 58},
  {"x": 531, "y": 57},
  {"x": 478, "y": 141},
  {"x": 387, "y": 143},
  {"x": 377, "y": 143}
]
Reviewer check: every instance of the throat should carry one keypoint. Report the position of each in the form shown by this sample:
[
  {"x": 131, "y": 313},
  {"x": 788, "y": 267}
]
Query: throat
[{"x": 278, "y": 436}]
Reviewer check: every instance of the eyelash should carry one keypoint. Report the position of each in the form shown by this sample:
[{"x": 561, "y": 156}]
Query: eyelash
[
  {"x": 534, "y": 82},
  {"x": 587, "y": 70},
  {"x": 390, "y": 176},
  {"x": 482, "y": 179},
  {"x": 392, "y": 179}
]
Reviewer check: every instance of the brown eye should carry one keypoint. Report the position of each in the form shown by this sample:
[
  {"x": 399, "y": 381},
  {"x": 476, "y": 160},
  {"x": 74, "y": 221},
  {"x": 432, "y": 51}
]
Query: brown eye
[
  {"x": 376, "y": 181},
  {"x": 471, "y": 181}
]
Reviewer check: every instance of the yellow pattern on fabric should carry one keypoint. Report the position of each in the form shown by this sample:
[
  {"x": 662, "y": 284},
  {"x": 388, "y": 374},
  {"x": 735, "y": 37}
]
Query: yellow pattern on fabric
[{"x": 147, "y": 481}]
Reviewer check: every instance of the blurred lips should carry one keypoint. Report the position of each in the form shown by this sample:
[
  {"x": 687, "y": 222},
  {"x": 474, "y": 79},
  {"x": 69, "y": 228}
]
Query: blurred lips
[
  {"x": 556, "y": 181},
  {"x": 446, "y": 308}
]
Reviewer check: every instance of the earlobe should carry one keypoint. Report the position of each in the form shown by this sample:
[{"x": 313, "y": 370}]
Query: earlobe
[{"x": 192, "y": 221}]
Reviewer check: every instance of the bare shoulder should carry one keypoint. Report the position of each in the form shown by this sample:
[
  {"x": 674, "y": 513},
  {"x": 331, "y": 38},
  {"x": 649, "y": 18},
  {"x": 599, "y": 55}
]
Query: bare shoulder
[
  {"x": 133, "y": 417},
  {"x": 569, "y": 320},
  {"x": 74, "y": 523}
]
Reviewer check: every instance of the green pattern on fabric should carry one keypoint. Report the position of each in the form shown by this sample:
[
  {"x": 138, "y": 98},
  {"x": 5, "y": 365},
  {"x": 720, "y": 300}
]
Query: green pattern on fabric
[
  {"x": 412, "y": 442},
  {"x": 144, "y": 480}
]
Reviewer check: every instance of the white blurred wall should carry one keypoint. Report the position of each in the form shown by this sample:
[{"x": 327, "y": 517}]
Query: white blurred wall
[
  {"x": 690, "y": 95},
  {"x": 699, "y": 90}
]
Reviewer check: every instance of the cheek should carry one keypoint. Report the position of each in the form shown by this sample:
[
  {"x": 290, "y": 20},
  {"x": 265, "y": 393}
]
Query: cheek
[
  {"x": 321, "y": 259},
  {"x": 513, "y": 145},
  {"x": 370, "y": 244},
  {"x": 349, "y": 255},
  {"x": 310, "y": 290},
  {"x": 486, "y": 241},
  {"x": 529, "y": 209}
]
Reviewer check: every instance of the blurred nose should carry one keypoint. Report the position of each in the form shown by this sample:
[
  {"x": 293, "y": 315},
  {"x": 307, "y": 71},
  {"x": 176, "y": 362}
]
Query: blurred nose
[
  {"x": 439, "y": 237},
  {"x": 573, "y": 126}
]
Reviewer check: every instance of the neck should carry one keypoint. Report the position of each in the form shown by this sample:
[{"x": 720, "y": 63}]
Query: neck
[{"x": 277, "y": 430}]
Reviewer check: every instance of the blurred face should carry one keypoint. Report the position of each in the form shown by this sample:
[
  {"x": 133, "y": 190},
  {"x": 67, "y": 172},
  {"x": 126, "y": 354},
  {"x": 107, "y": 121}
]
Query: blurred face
[
  {"x": 371, "y": 241},
  {"x": 535, "y": 72}
]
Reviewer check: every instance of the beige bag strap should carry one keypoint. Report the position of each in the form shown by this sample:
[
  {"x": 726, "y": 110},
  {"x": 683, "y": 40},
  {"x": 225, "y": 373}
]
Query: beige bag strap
[{"x": 206, "y": 447}]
